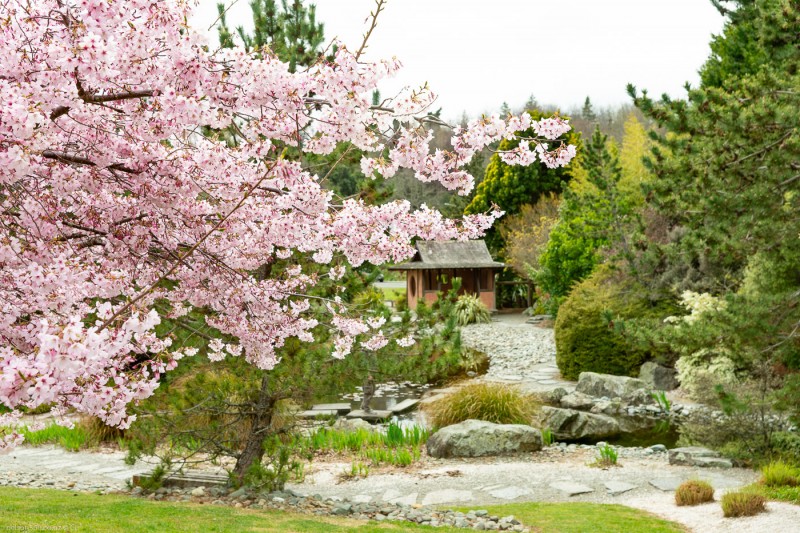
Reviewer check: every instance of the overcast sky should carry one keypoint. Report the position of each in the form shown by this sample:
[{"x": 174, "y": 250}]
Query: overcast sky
[{"x": 477, "y": 54}]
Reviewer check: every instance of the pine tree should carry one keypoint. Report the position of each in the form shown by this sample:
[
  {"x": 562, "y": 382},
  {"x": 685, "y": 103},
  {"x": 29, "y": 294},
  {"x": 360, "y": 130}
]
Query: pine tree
[
  {"x": 290, "y": 31},
  {"x": 512, "y": 186},
  {"x": 587, "y": 113}
]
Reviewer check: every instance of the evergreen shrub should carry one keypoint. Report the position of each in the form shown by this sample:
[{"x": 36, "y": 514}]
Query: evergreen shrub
[{"x": 587, "y": 339}]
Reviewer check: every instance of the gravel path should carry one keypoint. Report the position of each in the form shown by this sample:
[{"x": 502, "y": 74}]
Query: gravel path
[
  {"x": 518, "y": 352},
  {"x": 557, "y": 475}
]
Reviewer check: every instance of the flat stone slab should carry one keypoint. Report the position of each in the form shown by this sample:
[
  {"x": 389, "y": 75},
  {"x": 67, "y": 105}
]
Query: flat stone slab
[
  {"x": 618, "y": 487},
  {"x": 313, "y": 413},
  {"x": 393, "y": 496},
  {"x": 372, "y": 415},
  {"x": 509, "y": 493},
  {"x": 340, "y": 408},
  {"x": 667, "y": 484},
  {"x": 447, "y": 496},
  {"x": 571, "y": 488},
  {"x": 697, "y": 456},
  {"x": 405, "y": 405}
]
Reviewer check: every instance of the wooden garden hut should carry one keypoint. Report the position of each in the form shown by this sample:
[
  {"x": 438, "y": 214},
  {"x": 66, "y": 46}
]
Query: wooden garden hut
[{"x": 435, "y": 264}]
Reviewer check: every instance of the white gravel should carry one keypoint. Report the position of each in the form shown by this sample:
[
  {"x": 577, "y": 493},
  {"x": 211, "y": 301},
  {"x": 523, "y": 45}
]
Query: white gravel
[
  {"x": 514, "y": 347},
  {"x": 780, "y": 517}
]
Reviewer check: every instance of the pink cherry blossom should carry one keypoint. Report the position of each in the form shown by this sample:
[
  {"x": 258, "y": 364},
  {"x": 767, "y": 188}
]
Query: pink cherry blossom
[{"x": 109, "y": 186}]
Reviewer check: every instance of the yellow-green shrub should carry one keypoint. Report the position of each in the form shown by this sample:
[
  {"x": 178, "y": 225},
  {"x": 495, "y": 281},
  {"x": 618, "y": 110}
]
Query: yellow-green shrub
[
  {"x": 491, "y": 402},
  {"x": 586, "y": 339},
  {"x": 743, "y": 504},
  {"x": 694, "y": 492},
  {"x": 780, "y": 474}
]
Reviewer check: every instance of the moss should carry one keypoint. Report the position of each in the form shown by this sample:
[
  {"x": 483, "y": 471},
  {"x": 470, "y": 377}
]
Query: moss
[{"x": 588, "y": 335}]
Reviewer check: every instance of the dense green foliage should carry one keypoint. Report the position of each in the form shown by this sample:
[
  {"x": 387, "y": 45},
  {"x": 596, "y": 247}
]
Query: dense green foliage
[
  {"x": 289, "y": 30},
  {"x": 587, "y": 339},
  {"x": 723, "y": 220},
  {"x": 469, "y": 309}
]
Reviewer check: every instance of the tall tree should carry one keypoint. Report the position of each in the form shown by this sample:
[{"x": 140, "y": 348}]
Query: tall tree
[
  {"x": 117, "y": 212},
  {"x": 587, "y": 113},
  {"x": 509, "y": 187}
]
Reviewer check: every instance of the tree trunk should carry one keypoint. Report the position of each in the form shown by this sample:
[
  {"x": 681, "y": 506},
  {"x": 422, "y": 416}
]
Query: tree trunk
[{"x": 261, "y": 419}]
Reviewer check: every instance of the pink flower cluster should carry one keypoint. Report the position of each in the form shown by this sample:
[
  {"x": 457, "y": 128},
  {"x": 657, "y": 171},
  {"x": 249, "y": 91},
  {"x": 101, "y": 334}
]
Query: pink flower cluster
[{"x": 117, "y": 210}]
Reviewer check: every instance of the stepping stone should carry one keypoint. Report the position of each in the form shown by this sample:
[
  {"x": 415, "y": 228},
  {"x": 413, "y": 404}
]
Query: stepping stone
[
  {"x": 361, "y": 498},
  {"x": 618, "y": 487},
  {"x": 511, "y": 377},
  {"x": 59, "y": 464},
  {"x": 548, "y": 382},
  {"x": 372, "y": 415},
  {"x": 405, "y": 405},
  {"x": 340, "y": 408},
  {"x": 30, "y": 452},
  {"x": 122, "y": 476},
  {"x": 447, "y": 496},
  {"x": 509, "y": 493},
  {"x": 314, "y": 413},
  {"x": 667, "y": 484},
  {"x": 571, "y": 488},
  {"x": 110, "y": 469},
  {"x": 393, "y": 496},
  {"x": 712, "y": 462},
  {"x": 85, "y": 468}
]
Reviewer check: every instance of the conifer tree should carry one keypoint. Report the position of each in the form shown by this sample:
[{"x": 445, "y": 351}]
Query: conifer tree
[
  {"x": 290, "y": 31},
  {"x": 587, "y": 113}
]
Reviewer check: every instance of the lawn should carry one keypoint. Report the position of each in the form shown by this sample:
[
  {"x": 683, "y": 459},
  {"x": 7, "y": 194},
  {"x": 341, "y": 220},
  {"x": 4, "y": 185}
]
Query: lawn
[{"x": 76, "y": 512}]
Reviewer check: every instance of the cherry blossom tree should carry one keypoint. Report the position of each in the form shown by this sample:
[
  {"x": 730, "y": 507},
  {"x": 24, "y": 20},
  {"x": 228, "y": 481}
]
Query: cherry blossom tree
[{"x": 116, "y": 195}]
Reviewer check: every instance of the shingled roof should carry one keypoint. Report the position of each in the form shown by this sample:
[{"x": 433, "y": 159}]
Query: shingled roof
[{"x": 450, "y": 254}]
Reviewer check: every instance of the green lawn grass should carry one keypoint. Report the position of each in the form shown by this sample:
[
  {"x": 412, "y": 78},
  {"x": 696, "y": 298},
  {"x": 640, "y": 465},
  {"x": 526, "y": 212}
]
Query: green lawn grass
[
  {"x": 392, "y": 294},
  {"x": 78, "y": 512}
]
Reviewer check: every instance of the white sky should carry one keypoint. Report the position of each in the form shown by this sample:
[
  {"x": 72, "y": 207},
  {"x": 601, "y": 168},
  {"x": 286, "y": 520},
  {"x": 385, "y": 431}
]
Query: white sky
[{"x": 477, "y": 54}]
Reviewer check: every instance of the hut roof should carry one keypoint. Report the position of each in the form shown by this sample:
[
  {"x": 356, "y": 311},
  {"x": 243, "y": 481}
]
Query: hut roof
[{"x": 450, "y": 254}]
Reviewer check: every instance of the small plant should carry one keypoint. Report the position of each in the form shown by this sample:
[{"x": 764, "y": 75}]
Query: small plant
[
  {"x": 491, "y": 402},
  {"x": 548, "y": 438},
  {"x": 780, "y": 474},
  {"x": 156, "y": 478},
  {"x": 661, "y": 399},
  {"x": 607, "y": 456},
  {"x": 743, "y": 503},
  {"x": 357, "y": 470},
  {"x": 694, "y": 492},
  {"x": 469, "y": 309}
]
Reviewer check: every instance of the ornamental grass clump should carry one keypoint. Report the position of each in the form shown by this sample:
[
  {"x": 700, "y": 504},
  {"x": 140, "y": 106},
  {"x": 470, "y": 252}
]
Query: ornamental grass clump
[
  {"x": 743, "y": 503},
  {"x": 490, "y": 402},
  {"x": 469, "y": 309},
  {"x": 780, "y": 474},
  {"x": 694, "y": 492}
]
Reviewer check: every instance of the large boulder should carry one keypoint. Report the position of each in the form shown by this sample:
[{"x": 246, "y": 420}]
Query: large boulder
[
  {"x": 658, "y": 377},
  {"x": 569, "y": 424},
  {"x": 577, "y": 400},
  {"x": 476, "y": 438},
  {"x": 600, "y": 385}
]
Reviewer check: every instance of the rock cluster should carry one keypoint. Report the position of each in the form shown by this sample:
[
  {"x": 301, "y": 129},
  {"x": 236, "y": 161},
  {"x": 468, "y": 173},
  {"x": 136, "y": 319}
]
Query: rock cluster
[
  {"x": 476, "y": 438},
  {"x": 288, "y": 500}
]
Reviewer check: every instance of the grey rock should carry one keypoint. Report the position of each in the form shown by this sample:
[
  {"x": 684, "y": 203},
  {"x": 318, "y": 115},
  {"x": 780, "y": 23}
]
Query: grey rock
[
  {"x": 658, "y": 448},
  {"x": 599, "y": 385},
  {"x": 476, "y": 438},
  {"x": 697, "y": 456},
  {"x": 640, "y": 397},
  {"x": 575, "y": 425},
  {"x": 136, "y": 491},
  {"x": 571, "y": 488},
  {"x": 657, "y": 376},
  {"x": 199, "y": 491},
  {"x": 352, "y": 424},
  {"x": 239, "y": 493},
  {"x": 577, "y": 400},
  {"x": 618, "y": 487},
  {"x": 667, "y": 484},
  {"x": 557, "y": 394}
]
